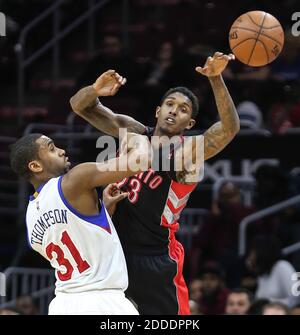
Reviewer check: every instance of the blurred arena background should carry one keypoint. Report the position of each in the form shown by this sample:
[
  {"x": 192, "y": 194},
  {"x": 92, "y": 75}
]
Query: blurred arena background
[{"x": 249, "y": 198}]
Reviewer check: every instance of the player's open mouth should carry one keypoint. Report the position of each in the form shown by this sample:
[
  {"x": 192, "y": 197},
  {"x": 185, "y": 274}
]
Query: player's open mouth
[{"x": 170, "y": 120}]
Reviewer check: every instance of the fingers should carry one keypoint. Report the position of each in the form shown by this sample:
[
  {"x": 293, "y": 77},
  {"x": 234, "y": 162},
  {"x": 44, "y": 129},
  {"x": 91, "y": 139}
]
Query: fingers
[
  {"x": 121, "y": 196},
  {"x": 220, "y": 55},
  {"x": 202, "y": 70},
  {"x": 115, "y": 89},
  {"x": 110, "y": 72},
  {"x": 121, "y": 80}
]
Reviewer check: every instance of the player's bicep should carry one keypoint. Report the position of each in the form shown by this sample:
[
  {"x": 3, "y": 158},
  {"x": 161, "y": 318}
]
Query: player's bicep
[
  {"x": 130, "y": 124},
  {"x": 108, "y": 122},
  {"x": 215, "y": 139},
  {"x": 102, "y": 118},
  {"x": 85, "y": 177}
]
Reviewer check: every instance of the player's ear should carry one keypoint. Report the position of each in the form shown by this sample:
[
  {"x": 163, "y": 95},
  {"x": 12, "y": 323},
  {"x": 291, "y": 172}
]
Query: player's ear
[
  {"x": 157, "y": 111},
  {"x": 35, "y": 166},
  {"x": 190, "y": 124}
]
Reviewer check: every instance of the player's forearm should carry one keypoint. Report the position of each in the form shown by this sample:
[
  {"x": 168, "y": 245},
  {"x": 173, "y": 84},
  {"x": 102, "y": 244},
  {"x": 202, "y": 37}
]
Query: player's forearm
[
  {"x": 84, "y": 99},
  {"x": 226, "y": 108}
]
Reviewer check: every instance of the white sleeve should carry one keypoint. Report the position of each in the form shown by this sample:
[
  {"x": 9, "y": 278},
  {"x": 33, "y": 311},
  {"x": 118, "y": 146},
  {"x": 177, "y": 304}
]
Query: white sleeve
[{"x": 283, "y": 273}]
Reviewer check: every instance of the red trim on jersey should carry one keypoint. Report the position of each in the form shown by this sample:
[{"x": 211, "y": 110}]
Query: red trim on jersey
[
  {"x": 176, "y": 252},
  {"x": 181, "y": 190}
]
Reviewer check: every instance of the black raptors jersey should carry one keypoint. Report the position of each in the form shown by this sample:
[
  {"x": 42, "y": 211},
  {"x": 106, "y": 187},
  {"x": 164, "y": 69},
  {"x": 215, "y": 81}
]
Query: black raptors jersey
[{"x": 148, "y": 218}]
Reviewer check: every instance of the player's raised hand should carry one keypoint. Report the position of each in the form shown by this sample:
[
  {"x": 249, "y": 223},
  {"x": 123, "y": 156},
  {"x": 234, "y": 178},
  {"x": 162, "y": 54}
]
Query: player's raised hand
[
  {"x": 108, "y": 83},
  {"x": 215, "y": 65},
  {"x": 111, "y": 196}
]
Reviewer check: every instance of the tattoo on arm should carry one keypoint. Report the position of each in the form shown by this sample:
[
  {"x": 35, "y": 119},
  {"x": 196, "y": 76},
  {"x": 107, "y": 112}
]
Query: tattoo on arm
[
  {"x": 222, "y": 132},
  {"x": 215, "y": 139}
]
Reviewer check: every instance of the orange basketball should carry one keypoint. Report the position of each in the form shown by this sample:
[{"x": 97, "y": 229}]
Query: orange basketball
[{"x": 256, "y": 38}]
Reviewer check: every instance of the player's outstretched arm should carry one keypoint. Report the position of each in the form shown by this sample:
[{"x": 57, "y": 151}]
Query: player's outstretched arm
[
  {"x": 222, "y": 132},
  {"x": 86, "y": 104},
  {"x": 87, "y": 176}
]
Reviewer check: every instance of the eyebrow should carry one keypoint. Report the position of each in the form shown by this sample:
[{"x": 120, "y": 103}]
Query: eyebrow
[
  {"x": 50, "y": 142},
  {"x": 184, "y": 103}
]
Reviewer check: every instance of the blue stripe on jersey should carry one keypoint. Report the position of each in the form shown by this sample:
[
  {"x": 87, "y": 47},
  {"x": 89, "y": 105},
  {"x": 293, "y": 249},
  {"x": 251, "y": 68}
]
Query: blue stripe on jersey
[{"x": 98, "y": 219}]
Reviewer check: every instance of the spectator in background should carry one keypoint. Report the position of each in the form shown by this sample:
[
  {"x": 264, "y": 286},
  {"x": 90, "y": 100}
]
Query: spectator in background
[
  {"x": 238, "y": 302},
  {"x": 195, "y": 308},
  {"x": 250, "y": 115},
  {"x": 256, "y": 308},
  {"x": 214, "y": 291},
  {"x": 287, "y": 67},
  {"x": 274, "y": 274},
  {"x": 161, "y": 67},
  {"x": 8, "y": 311},
  {"x": 168, "y": 68},
  {"x": 271, "y": 186},
  {"x": 26, "y": 305},
  {"x": 195, "y": 289},
  {"x": 217, "y": 239},
  {"x": 111, "y": 55},
  {"x": 249, "y": 281},
  {"x": 295, "y": 310},
  {"x": 275, "y": 309}
]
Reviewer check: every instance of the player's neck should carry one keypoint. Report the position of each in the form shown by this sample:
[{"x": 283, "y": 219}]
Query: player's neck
[
  {"x": 160, "y": 132},
  {"x": 38, "y": 183}
]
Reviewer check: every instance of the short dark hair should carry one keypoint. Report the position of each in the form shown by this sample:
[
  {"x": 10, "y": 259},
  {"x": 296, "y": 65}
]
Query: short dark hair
[
  {"x": 22, "y": 152},
  {"x": 256, "y": 308},
  {"x": 241, "y": 290},
  {"x": 188, "y": 93}
]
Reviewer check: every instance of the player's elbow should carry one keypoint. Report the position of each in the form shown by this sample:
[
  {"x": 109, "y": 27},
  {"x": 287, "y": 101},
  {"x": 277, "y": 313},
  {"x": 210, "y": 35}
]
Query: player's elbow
[
  {"x": 237, "y": 127},
  {"x": 234, "y": 129},
  {"x": 74, "y": 105}
]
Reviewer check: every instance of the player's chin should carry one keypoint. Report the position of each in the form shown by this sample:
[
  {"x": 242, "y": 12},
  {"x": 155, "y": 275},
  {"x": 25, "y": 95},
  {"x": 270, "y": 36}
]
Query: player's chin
[
  {"x": 67, "y": 166},
  {"x": 171, "y": 129}
]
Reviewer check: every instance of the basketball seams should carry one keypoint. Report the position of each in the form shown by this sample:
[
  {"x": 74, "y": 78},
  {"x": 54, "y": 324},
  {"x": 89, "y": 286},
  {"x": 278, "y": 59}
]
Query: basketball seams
[
  {"x": 247, "y": 39},
  {"x": 251, "y": 19},
  {"x": 261, "y": 27},
  {"x": 250, "y": 28},
  {"x": 277, "y": 25},
  {"x": 262, "y": 34},
  {"x": 266, "y": 50}
]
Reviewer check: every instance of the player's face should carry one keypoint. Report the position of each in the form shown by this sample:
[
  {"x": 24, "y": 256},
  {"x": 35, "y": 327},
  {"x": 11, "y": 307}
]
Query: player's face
[
  {"x": 52, "y": 159},
  {"x": 210, "y": 284},
  {"x": 175, "y": 114},
  {"x": 237, "y": 304}
]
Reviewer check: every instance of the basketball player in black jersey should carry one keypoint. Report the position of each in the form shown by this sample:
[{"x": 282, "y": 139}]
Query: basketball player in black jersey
[{"x": 148, "y": 219}]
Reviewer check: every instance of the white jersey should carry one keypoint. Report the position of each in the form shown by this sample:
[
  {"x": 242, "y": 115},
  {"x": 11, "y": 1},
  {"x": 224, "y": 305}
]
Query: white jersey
[{"x": 85, "y": 251}]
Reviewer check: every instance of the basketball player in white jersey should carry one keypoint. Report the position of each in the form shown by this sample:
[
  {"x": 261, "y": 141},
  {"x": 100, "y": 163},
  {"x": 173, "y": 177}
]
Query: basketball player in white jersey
[{"x": 68, "y": 225}]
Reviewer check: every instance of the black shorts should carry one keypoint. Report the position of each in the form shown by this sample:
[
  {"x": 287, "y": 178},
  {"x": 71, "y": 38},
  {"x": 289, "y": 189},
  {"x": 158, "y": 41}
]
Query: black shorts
[{"x": 156, "y": 283}]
